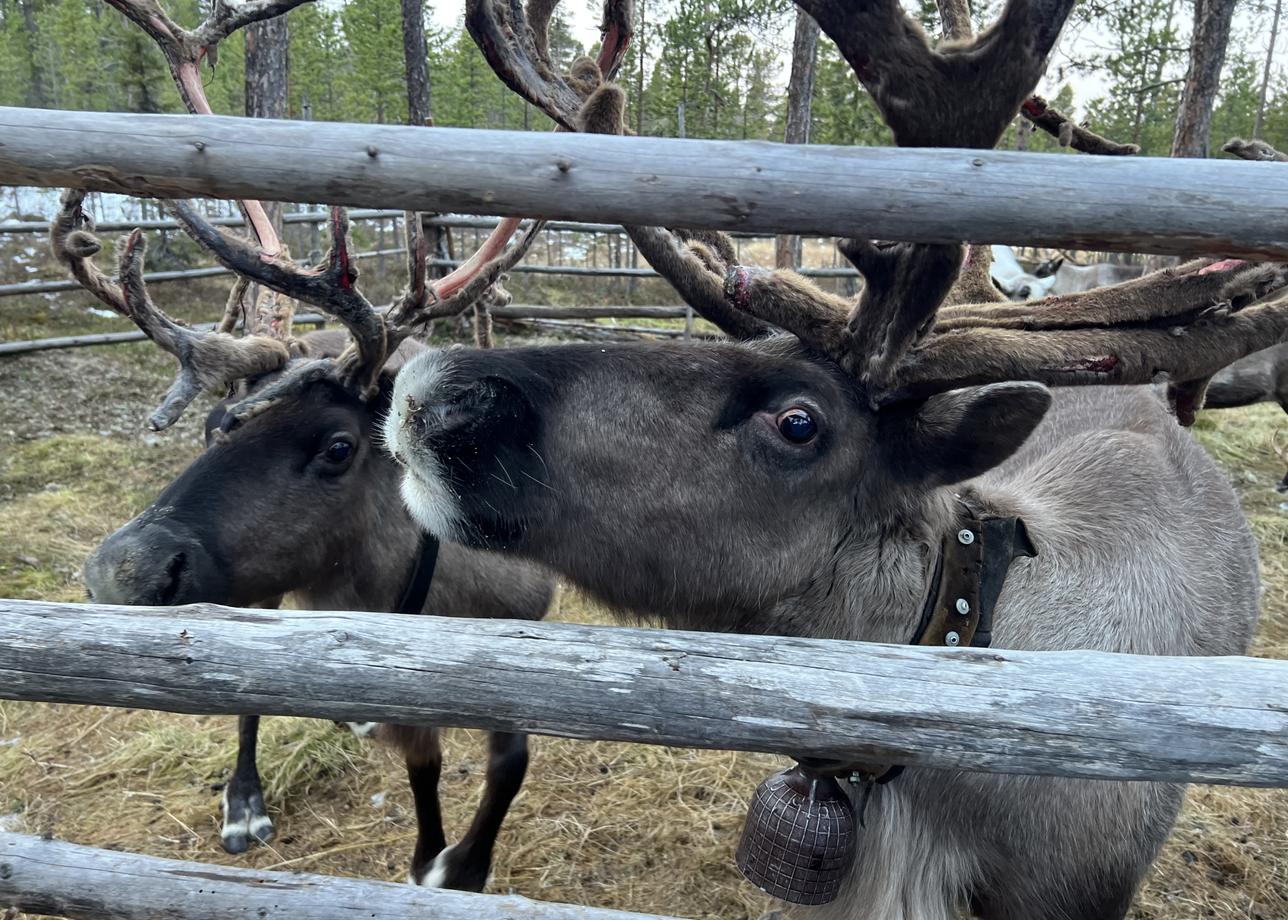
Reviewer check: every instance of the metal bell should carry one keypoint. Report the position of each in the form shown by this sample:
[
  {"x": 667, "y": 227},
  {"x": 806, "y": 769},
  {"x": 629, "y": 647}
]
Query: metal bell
[{"x": 799, "y": 839}]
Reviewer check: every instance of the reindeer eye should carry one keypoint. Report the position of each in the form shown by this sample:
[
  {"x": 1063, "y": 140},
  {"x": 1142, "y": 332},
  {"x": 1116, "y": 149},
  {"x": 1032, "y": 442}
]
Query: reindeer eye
[
  {"x": 796, "y": 426},
  {"x": 339, "y": 451}
]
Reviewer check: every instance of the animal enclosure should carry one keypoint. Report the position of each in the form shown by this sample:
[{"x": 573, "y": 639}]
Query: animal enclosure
[
  {"x": 1180, "y": 755},
  {"x": 848, "y": 449}
]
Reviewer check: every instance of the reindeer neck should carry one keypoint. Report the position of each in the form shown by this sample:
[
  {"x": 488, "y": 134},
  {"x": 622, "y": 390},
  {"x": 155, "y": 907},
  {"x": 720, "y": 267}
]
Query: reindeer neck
[
  {"x": 883, "y": 577},
  {"x": 375, "y": 571}
]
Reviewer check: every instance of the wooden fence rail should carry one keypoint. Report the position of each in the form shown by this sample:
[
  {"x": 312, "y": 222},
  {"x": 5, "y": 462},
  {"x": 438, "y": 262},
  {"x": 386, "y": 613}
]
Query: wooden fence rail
[
  {"x": 1109, "y": 203},
  {"x": 448, "y": 221},
  {"x": 1090, "y": 714},
  {"x": 513, "y": 312},
  {"x": 39, "y": 876},
  {"x": 21, "y": 288}
]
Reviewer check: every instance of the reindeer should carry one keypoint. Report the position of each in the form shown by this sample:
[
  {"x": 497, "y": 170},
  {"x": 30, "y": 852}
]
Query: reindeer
[
  {"x": 293, "y": 495},
  {"x": 1012, "y": 280},
  {"x": 1067, "y": 277},
  {"x": 808, "y": 476}
]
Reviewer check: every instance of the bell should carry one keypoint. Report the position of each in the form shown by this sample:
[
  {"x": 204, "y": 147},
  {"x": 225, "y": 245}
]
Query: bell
[{"x": 798, "y": 841}]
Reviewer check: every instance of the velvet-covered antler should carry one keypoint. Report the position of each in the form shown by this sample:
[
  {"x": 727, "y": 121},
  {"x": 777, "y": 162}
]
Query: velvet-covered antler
[
  {"x": 332, "y": 286},
  {"x": 1184, "y": 323},
  {"x": 184, "y": 51},
  {"x": 207, "y": 360}
]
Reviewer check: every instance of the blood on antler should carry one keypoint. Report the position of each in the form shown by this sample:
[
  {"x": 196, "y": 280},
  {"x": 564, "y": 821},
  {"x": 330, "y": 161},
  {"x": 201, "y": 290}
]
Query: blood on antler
[{"x": 1182, "y": 323}]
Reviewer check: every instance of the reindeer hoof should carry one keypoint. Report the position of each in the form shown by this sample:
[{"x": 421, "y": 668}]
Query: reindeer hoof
[
  {"x": 246, "y": 820},
  {"x": 452, "y": 868}
]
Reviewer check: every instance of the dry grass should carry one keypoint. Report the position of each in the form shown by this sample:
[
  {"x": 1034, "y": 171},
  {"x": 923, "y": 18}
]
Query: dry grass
[{"x": 636, "y": 827}]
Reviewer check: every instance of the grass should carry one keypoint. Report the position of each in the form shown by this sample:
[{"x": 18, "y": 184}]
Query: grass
[{"x": 635, "y": 827}]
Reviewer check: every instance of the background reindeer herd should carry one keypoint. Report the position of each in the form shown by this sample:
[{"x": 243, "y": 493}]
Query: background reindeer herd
[{"x": 358, "y": 468}]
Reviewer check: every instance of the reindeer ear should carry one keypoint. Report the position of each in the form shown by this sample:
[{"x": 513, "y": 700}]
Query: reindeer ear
[
  {"x": 1048, "y": 268},
  {"x": 955, "y": 436}
]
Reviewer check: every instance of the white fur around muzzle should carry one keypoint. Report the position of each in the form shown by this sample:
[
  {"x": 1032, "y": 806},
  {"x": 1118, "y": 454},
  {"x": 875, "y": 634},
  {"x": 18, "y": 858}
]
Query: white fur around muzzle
[{"x": 425, "y": 489}]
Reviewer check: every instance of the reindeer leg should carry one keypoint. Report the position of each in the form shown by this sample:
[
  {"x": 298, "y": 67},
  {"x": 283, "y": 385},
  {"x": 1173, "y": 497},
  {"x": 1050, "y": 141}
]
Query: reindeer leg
[
  {"x": 245, "y": 817},
  {"x": 1282, "y": 487},
  {"x": 465, "y": 865},
  {"x": 424, "y": 757}
]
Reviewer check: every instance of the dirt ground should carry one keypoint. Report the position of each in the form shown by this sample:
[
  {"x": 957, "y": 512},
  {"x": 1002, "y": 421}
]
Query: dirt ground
[{"x": 634, "y": 827}]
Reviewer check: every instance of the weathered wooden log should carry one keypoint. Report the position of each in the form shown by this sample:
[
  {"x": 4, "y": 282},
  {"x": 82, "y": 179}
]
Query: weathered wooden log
[
  {"x": 39, "y": 876},
  {"x": 512, "y": 312},
  {"x": 311, "y": 217},
  {"x": 1221, "y": 720},
  {"x": 22, "y": 288},
  {"x": 529, "y": 311},
  {"x": 1110, "y": 203}
]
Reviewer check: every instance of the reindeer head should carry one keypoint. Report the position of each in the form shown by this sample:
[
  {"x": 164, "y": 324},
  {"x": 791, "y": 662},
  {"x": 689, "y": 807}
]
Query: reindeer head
[
  {"x": 290, "y": 465},
  {"x": 714, "y": 482}
]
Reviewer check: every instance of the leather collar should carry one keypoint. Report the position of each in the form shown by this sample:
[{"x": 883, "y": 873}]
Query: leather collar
[
  {"x": 970, "y": 571},
  {"x": 422, "y": 575},
  {"x": 969, "y": 574}
]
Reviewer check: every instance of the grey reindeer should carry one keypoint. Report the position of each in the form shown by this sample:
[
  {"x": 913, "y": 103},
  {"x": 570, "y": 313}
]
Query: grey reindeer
[
  {"x": 1067, "y": 277},
  {"x": 804, "y": 477},
  {"x": 293, "y": 496}
]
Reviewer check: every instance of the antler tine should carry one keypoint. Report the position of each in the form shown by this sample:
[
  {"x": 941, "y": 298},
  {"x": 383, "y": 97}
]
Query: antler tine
[
  {"x": 1065, "y": 357},
  {"x": 1060, "y": 126},
  {"x": 1185, "y": 293},
  {"x": 416, "y": 308},
  {"x": 1253, "y": 150},
  {"x": 515, "y": 44},
  {"x": 329, "y": 287},
  {"x": 207, "y": 360},
  {"x": 1184, "y": 323},
  {"x": 184, "y": 50}
]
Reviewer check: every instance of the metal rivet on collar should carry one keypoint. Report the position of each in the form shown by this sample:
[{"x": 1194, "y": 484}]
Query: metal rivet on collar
[
  {"x": 965, "y": 537},
  {"x": 952, "y": 639},
  {"x": 963, "y": 606}
]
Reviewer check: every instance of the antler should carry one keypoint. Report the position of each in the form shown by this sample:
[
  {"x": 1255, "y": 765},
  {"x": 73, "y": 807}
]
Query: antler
[
  {"x": 1253, "y": 150},
  {"x": 184, "y": 51},
  {"x": 207, "y": 360},
  {"x": 1060, "y": 126},
  {"x": 1184, "y": 323}
]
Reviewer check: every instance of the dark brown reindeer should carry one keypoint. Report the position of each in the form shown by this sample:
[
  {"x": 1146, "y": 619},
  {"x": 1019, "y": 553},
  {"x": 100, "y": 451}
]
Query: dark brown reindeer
[
  {"x": 293, "y": 494},
  {"x": 809, "y": 481}
]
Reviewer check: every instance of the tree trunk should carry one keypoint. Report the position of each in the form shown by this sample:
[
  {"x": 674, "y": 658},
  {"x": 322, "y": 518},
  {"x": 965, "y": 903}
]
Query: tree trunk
[
  {"x": 37, "y": 92},
  {"x": 641, "y": 37},
  {"x": 415, "y": 58},
  {"x": 267, "y": 44},
  {"x": 1207, "y": 55},
  {"x": 1265, "y": 76},
  {"x": 800, "y": 94},
  {"x": 1212, "y": 20}
]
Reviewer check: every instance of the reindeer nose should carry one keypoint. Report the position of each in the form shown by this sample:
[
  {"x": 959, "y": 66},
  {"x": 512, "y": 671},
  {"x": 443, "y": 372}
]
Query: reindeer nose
[{"x": 144, "y": 566}]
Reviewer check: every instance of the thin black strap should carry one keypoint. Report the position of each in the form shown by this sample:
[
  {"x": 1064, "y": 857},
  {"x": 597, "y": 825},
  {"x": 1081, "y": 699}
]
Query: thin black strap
[{"x": 422, "y": 575}]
